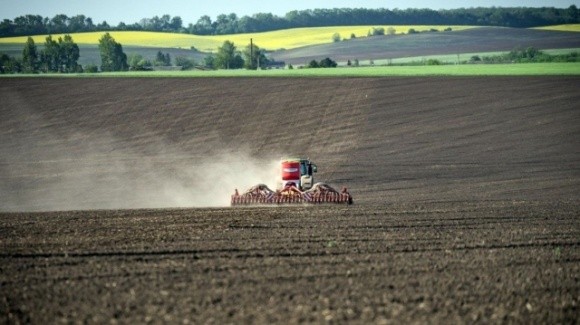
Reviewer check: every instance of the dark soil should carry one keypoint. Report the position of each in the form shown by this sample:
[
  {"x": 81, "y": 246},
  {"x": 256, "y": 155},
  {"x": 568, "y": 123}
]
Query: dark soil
[
  {"x": 125, "y": 143},
  {"x": 472, "y": 262},
  {"x": 466, "y": 200}
]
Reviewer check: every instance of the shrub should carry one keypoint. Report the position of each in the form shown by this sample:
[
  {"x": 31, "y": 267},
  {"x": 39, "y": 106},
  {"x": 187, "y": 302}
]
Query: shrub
[
  {"x": 91, "y": 68},
  {"x": 378, "y": 31},
  {"x": 328, "y": 63},
  {"x": 336, "y": 37},
  {"x": 138, "y": 63},
  {"x": 474, "y": 59},
  {"x": 184, "y": 62}
]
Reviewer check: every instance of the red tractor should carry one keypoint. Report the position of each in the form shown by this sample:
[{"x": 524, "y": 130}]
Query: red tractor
[{"x": 295, "y": 186}]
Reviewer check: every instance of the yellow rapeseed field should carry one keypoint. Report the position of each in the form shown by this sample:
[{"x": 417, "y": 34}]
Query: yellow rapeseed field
[
  {"x": 562, "y": 28},
  {"x": 274, "y": 40}
]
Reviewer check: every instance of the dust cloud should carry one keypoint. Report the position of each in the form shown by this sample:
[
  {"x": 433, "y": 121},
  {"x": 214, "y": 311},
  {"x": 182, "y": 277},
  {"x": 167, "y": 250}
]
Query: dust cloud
[
  {"x": 80, "y": 171},
  {"x": 130, "y": 181},
  {"x": 47, "y": 164},
  {"x": 211, "y": 181}
]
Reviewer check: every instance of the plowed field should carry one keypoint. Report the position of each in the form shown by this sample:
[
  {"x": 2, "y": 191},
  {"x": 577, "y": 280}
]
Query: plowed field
[
  {"x": 476, "y": 40},
  {"x": 466, "y": 200}
]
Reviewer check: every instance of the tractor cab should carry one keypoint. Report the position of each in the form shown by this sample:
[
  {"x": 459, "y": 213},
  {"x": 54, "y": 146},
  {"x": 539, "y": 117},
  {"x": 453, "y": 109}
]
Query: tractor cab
[
  {"x": 307, "y": 170},
  {"x": 297, "y": 172}
]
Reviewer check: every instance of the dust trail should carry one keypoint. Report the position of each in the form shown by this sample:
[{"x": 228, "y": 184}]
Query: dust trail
[
  {"x": 212, "y": 181},
  {"x": 48, "y": 164},
  {"x": 47, "y": 171},
  {"x": 100, "y": 180}
]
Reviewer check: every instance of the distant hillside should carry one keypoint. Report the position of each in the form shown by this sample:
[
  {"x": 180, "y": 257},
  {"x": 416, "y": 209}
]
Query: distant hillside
[
  {"x": 299, "y": 46},
  {"x": 262, "y": 22},
  {"x": 148, "y": 43},
  {"x": 399, "y": 46},
  {"x": 275, "y": 40}
]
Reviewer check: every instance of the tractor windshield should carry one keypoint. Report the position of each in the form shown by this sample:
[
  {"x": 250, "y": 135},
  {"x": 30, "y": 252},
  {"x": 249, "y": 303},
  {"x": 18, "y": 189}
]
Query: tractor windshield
[{"x": 304, "y": 168}]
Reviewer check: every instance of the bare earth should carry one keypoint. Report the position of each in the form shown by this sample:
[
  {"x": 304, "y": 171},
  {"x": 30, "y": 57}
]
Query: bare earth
[{"x": 466, "y": 200}]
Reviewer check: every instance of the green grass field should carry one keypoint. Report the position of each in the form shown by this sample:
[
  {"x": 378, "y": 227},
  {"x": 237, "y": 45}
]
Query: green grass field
[
  {"x": 281, "y": 39},
  {"x": 522, "y": 69},
  {"x": 454, "y": 58}
]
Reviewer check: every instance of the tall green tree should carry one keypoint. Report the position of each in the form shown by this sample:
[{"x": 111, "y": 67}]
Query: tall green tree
[
  {"x": 50, "y": 55},
  {"x": 112, "y": 56},
  {"x": 61, "y": 56},
  {"x": 59, "y": 24},
  {"x": 69, "y": 54},
  {"x": 228, "y": 58},
  {"x": 30, "y": 58},
  {"x": 203, "y": 26}
]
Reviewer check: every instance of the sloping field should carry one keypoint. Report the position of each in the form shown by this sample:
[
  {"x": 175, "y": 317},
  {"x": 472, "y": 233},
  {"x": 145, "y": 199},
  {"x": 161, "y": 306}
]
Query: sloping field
[
  {"x": 466, "y": 200},
  {"x": 148, "y": 43},
  {"x": 299, "y": 46},
  {"x": 273, "y": 40},
  {"x": 121, "y": 143},
  {"x": 474, "y": 40}
]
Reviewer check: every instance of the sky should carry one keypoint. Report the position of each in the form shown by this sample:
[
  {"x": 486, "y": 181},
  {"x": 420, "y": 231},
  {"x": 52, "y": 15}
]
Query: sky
[{"x": 131, "y": 11}]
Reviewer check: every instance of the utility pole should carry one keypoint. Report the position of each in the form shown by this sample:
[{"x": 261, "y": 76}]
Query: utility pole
[{"x": 251, "y": 52}]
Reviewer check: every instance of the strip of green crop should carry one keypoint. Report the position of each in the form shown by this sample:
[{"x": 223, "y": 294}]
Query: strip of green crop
[
  {"x": 454, "y": 58},
  {"x": 521, "y": 69}
]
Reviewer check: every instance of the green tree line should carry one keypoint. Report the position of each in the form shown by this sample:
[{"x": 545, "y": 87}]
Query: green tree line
[
  {"x": 229, "y": 57},
  {"x": 231, "y": 24},
  {"x": 57, "y": 56},
  {"x": 61, "y": 56}
]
